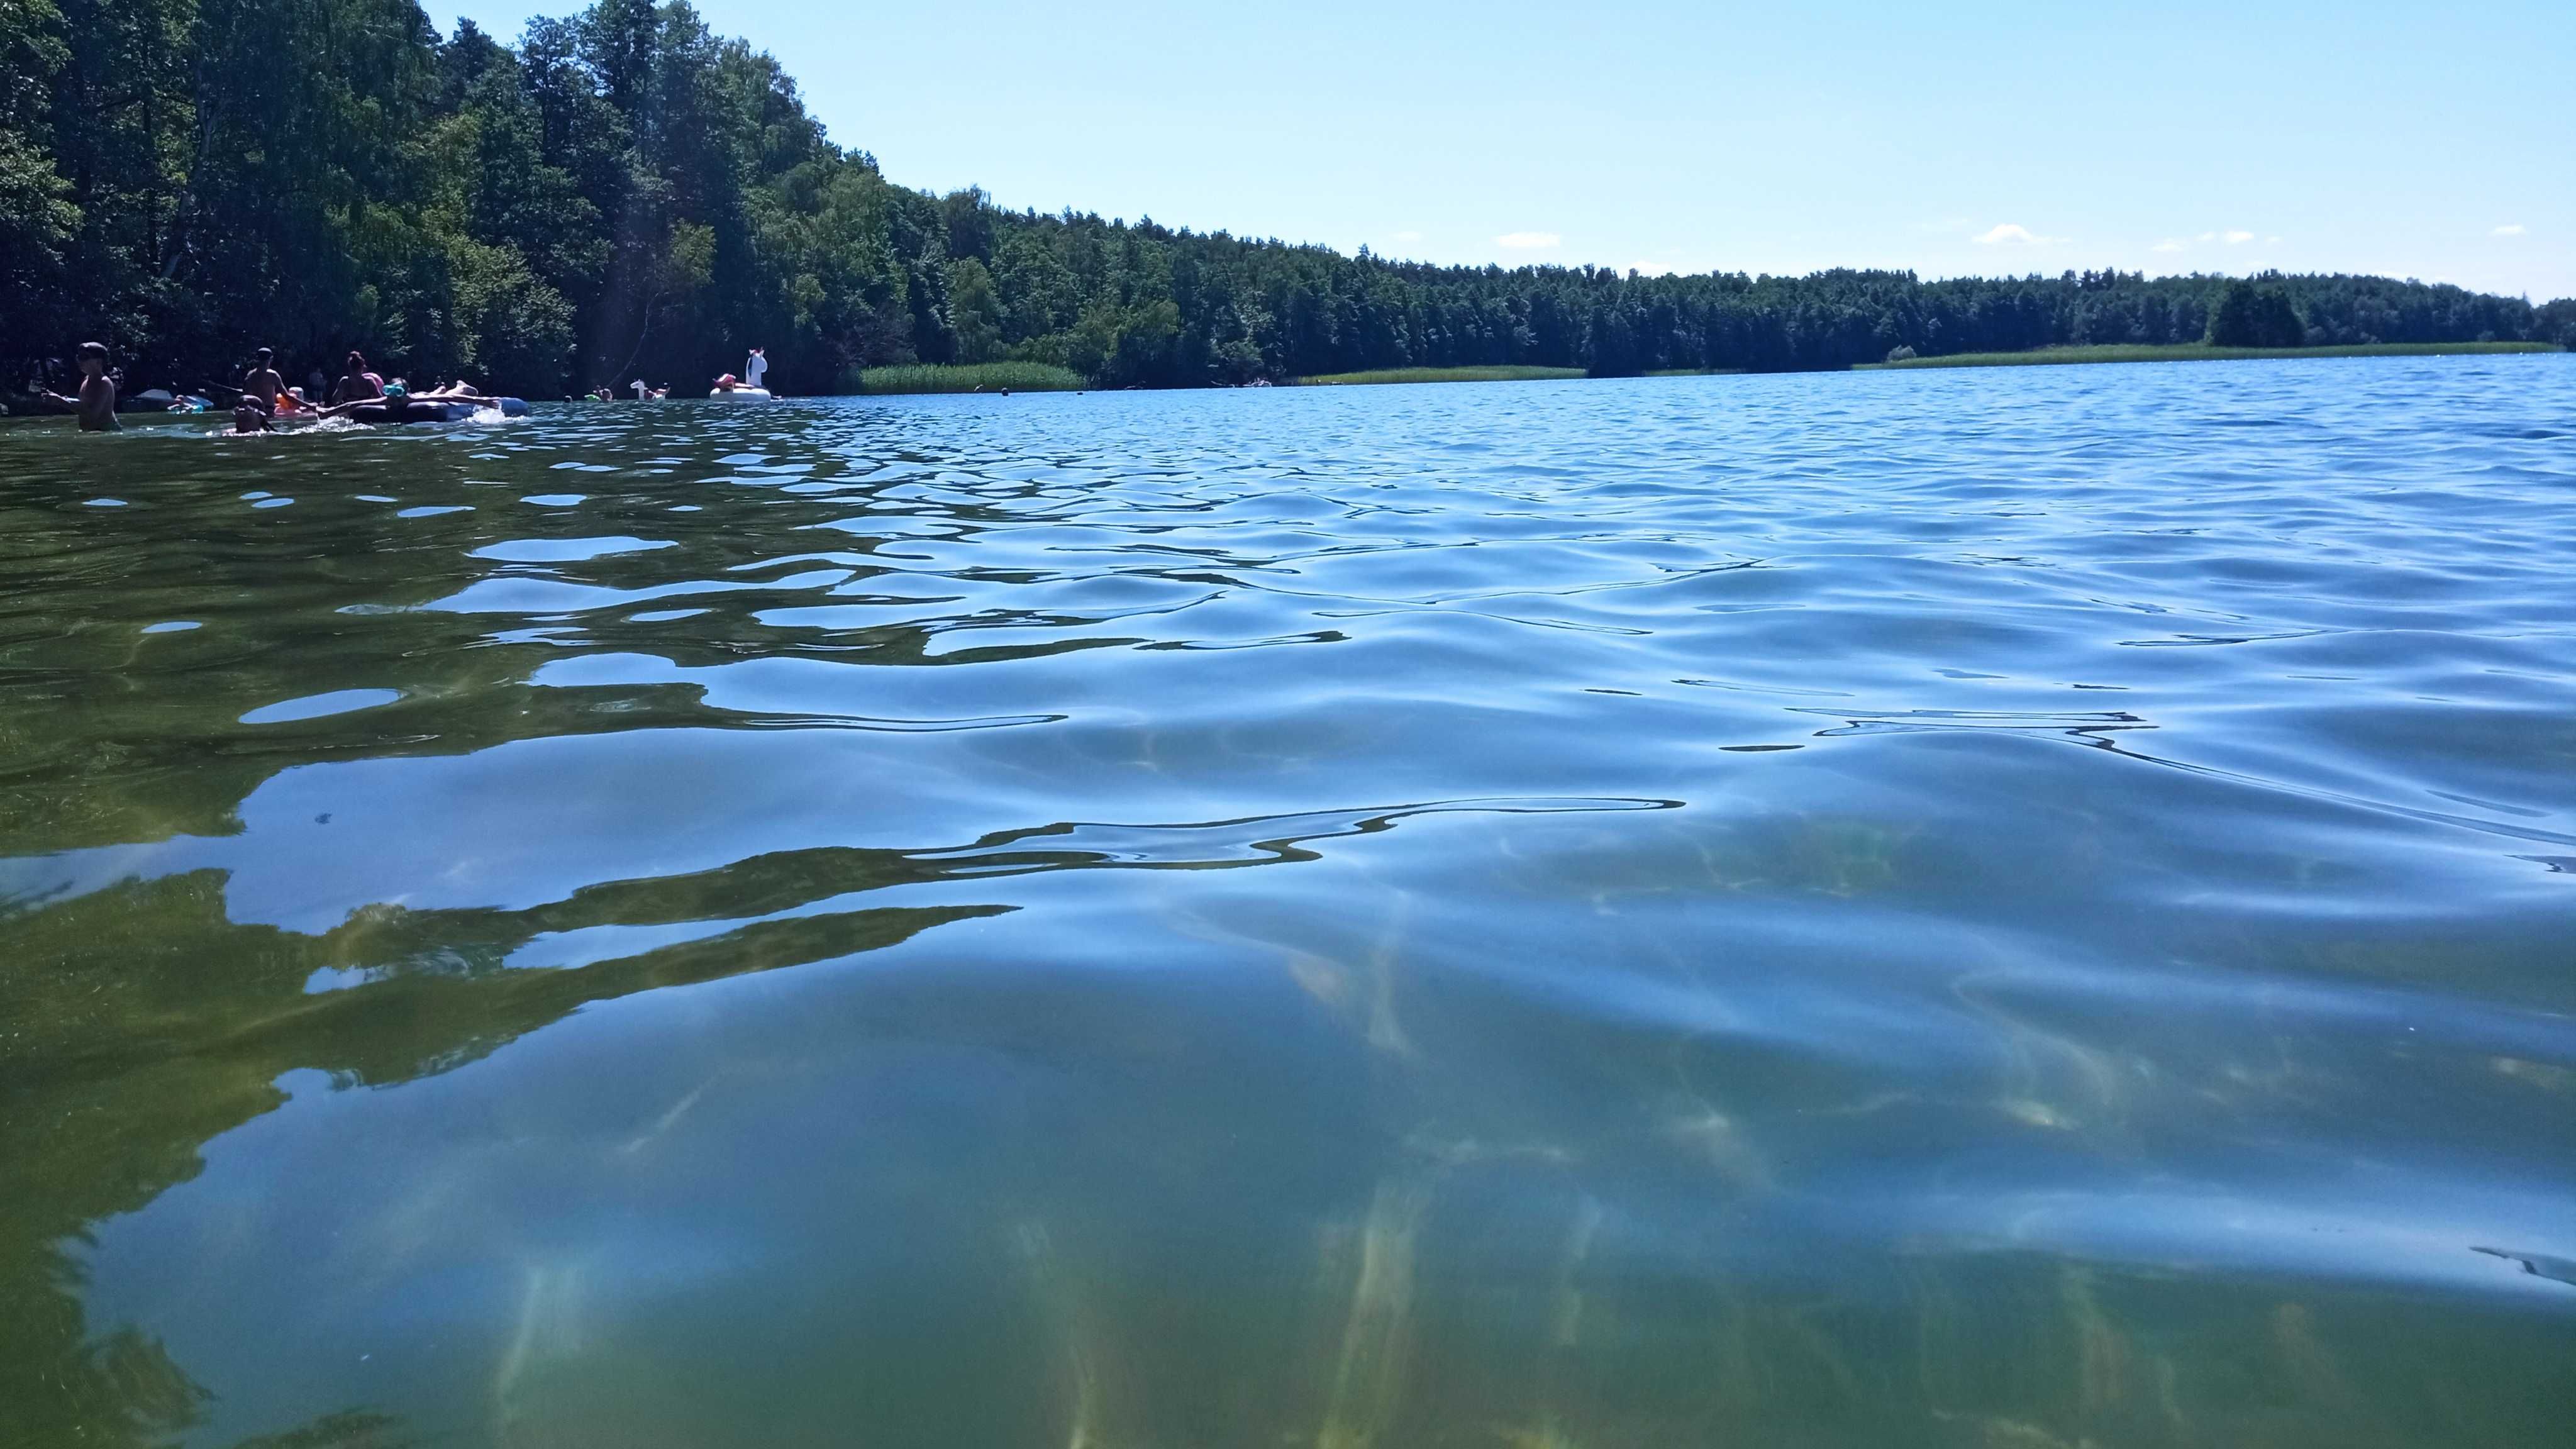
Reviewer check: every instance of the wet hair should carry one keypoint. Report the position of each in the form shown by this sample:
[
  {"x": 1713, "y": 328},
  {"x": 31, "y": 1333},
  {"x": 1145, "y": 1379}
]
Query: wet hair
[
  {"x": 357, "y": 362},
  {"x": 94, "y": 349}
]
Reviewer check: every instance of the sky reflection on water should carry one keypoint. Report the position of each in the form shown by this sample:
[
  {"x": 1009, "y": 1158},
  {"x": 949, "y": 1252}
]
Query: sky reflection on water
[{"x": 2000, "y": 908}]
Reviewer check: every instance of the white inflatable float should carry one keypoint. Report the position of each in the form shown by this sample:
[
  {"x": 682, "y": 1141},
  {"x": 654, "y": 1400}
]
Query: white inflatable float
[{"x": 740, "y": 394}]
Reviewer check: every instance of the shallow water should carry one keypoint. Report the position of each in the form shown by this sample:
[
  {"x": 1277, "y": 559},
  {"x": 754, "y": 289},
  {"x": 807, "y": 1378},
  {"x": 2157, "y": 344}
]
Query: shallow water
[{"x": 2025, "y": 908}]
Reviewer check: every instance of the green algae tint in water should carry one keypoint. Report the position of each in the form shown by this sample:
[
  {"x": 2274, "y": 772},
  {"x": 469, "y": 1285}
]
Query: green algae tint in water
[{"x": 2028, "y": 908}]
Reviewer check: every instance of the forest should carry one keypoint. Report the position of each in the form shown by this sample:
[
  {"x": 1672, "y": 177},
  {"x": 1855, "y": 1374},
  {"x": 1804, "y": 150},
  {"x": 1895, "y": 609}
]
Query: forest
[{"x": 623, "y": 193}]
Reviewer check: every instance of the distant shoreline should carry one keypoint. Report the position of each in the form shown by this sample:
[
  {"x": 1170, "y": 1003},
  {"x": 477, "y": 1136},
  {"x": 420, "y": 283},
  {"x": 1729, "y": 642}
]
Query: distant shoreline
[
  {"x": 2037, "y": 357},
  {"x": 1386, "y": 375},
  {"x": 2201, "y": 352},
  {"x": 1393, "y": 375},
  {"x": 1005, "y": 377}
]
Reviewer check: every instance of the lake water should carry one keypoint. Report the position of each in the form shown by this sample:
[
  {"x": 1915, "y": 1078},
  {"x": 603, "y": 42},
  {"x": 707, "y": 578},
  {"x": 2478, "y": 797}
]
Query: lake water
[{"x": 2012, "y": 909}]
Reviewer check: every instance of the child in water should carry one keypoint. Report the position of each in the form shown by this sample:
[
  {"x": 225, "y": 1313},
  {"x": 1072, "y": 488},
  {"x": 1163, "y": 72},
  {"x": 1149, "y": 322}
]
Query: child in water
[
  {"x": 96, "y": 404},
  {"x": 249, "y": 416}
]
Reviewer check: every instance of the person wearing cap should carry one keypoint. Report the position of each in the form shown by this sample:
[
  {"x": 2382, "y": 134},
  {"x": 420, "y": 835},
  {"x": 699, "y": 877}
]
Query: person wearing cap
[
  {"x": 262, "y": 382},
  {"x": 96, "y": 404}
]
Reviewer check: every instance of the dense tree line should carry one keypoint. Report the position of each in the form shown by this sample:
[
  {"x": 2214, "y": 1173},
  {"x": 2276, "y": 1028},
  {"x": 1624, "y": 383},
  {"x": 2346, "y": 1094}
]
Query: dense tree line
[
  {"x": 624, "y": 193},
  {"x": 2256, "y": 314}
]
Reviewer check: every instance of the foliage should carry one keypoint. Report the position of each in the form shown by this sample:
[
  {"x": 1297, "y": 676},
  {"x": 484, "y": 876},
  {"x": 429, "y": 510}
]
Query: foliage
[
  {"x": 624, "y": 193},
  {"x": 2255, "y": 314},
  {"x": 974, "y": 311},
  {"x": 2556, "y": 322},
  {"x": 38, "y": 221}
]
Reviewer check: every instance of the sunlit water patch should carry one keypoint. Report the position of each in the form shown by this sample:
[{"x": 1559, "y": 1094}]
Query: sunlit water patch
[{"x": 2015, "y": 908}]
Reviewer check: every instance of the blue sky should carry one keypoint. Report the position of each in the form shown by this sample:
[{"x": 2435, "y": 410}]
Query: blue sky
[{"x": 1963, "y": 138}]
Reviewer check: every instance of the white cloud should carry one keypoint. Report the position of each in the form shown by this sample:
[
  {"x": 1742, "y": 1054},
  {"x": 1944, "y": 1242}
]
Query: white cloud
[
  {"x": 1408, "y": 237},
  {"x": 2234, "y": 237},
  {"x": 1529, "y": 241},
  {"x": 2511, "y": 229},
  {"x": 2015, "y": 235}
]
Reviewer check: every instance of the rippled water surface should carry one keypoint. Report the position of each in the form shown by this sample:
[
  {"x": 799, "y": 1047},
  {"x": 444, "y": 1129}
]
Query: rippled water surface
[{"x": 2021, "y": 908}]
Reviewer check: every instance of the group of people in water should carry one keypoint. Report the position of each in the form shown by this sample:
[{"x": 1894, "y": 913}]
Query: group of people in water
[{"x": 264, "y": 398}]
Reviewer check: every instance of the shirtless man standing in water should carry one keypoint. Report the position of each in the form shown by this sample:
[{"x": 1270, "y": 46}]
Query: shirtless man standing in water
[
  {"x": 96, "y": 404},
  {"x": 264, "y": 383}
]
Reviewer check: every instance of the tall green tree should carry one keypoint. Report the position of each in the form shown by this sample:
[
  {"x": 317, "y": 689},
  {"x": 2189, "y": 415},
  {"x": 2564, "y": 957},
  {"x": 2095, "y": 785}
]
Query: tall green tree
[
  {"x": 974, "y": 311},
  {"x": 2256, "y": 314},
  {"x": 38, "y": 221},
  {"x": 122, "y": 118}
]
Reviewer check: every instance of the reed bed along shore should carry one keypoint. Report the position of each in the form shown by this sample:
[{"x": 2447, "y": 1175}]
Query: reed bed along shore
[{"x": 974, "y": 377}]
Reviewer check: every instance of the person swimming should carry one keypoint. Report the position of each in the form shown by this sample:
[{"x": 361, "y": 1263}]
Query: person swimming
[{"x": 248, "y": 415}]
